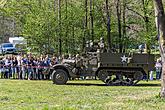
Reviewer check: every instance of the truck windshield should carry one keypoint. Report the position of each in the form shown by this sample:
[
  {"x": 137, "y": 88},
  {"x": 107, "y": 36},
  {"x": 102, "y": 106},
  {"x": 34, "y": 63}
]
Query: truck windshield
[{"x": 7, "y": 45}]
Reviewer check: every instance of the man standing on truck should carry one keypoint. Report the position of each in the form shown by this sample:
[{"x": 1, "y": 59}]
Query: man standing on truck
[{"x": 141, "y": 48}]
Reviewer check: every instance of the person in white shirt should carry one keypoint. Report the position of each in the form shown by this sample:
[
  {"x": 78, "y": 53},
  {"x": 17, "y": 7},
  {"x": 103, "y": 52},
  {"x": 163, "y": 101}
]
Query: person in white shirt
[
  {"x": 19, "y": 67},
  {"x": 158, "y": 67}
]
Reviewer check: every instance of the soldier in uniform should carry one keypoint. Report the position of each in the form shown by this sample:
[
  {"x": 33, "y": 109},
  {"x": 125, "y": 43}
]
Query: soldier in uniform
[
  {"x": 79, "y": 63},
  {"x": 101, "y": 44}
]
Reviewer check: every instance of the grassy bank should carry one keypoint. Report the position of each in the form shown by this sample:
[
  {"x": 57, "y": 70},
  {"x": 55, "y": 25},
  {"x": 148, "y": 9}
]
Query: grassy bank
[{"x": 94, "y": 95}]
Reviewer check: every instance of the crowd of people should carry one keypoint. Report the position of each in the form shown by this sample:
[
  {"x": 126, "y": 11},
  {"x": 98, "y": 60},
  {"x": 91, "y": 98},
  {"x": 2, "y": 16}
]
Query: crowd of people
[
  {"x": 26, "y": 67},
  {"x": 38, "y": 67}
]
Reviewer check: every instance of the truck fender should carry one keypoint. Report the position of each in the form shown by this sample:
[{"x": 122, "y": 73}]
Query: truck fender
[{"x": 69, "y": 72}]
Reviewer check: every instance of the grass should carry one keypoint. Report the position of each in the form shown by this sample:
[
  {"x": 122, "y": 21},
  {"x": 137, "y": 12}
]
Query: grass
[{"x": 78, "y": 95}]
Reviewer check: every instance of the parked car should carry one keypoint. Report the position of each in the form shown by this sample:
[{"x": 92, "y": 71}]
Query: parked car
[{"x": 7, "y": 48}]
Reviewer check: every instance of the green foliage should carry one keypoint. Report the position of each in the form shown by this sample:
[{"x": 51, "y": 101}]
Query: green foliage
[{"x": 37, "y": 21}]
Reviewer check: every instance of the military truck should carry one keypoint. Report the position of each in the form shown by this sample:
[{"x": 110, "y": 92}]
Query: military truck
[{"x": 110, "y": 67}]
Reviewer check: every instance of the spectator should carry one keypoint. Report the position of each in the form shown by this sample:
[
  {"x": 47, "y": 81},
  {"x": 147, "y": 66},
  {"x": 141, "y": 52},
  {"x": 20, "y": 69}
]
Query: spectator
[
  {"x": 29, "y": 67},
  {"x": 14, "y": 64},
  {"x": 35, "y": 69},
  {"x": 151, "y": 75},
  {"x": 2, "y": 68},
  {"x": 23, "y": 67},
  {"x": 40, "y": 65},
  {"x": 46, "y": 67},
  {"x": 158, "y": 67},
  {"x": 19, "y": 67},
  {"x": 7, "y": 67}
]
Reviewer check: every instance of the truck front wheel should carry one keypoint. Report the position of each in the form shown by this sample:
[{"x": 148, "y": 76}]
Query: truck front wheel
[{"x": 59, "y": 77}]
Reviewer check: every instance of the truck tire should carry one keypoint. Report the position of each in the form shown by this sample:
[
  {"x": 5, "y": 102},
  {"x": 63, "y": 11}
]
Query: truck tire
[{"x": 59, "y": 77}]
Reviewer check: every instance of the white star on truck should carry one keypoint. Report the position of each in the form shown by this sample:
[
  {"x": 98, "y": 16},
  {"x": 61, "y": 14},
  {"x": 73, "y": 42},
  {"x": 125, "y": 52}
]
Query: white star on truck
[{"x": 124, "y": 58}]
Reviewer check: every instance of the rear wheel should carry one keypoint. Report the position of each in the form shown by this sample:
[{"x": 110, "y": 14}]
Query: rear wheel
[
  {"x": 59, "y": 76},
  {"x": 103, "y": 75}
]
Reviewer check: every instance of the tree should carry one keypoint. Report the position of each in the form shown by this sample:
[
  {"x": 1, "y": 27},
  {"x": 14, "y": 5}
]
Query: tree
[
  {"x": 124, "y": 24},
  {"x": 63, "y": 22},
  {"x": 59, "y": 21},
  {"x": 118, "y": 8},
  {"x": 160, "y": 23},
  {"x": 108, "y": 26},
  {"x": 66, "y": 30},
  {"x": 91, "y": 17},
  {"x": 86, "y": 20}
]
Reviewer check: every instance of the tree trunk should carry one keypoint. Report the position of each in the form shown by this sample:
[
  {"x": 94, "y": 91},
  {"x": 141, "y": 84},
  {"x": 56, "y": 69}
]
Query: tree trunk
[
  {"x": 48, "y": 48},
  {"x": 124, "y": 26},
  {"x": 40, "y": 3},
  {"x": 66, "y": 31},
  {"x": 59, "y": 24},
  {"x": 119, "y": 25},
  {"x": 73, "y": 39},
  {"x": 86, "y": 19},
  {"x": 84, "y": 39},
  {"x": 146, "y": 20},
  {"x": 91, "y": 17},
  {"x": 145, "y": 15},
  {"x": 54, "y": 6},
  {"x": 160, "y": 23},
  {"x": 3, "y": 25},
  {"x": 108, "y": 26}
]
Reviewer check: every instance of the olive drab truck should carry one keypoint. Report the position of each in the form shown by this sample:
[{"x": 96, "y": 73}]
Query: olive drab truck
[{"x": 110, "y": 67}]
